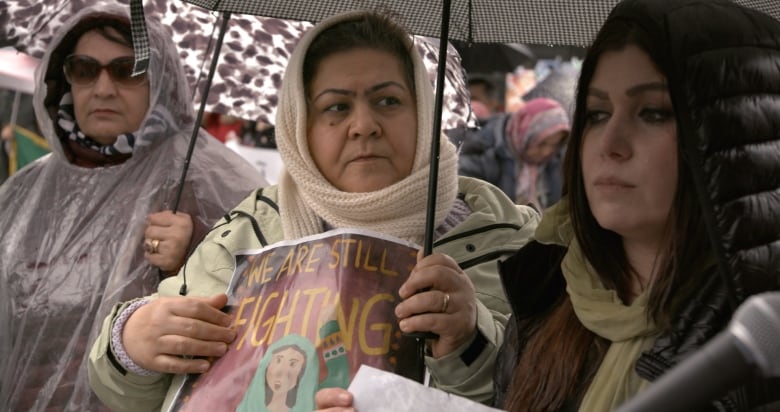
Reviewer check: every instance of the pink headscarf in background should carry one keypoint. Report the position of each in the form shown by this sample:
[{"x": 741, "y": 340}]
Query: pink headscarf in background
[{"x": 538, "y": 120}]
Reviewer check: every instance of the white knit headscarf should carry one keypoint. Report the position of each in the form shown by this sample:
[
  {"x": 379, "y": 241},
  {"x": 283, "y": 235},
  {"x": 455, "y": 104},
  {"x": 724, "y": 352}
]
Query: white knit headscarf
[{"x": 306, "y": 198}]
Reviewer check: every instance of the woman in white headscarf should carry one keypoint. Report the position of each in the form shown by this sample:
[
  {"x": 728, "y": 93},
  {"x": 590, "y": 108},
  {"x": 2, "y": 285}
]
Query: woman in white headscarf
[
  {"x": 89, "y": 224},
  {"x": 354, "y": 131}
]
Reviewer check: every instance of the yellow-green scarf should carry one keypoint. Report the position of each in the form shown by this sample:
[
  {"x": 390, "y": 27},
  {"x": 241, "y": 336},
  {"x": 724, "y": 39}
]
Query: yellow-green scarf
[{"x": 602, "y": 312}]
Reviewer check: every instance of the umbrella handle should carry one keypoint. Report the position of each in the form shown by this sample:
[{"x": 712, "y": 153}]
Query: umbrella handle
[{"x": 422, "y": 335}]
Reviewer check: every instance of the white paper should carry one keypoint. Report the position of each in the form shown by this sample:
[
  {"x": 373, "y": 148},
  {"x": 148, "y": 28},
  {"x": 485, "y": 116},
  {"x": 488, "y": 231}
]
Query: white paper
[{"x": 375, "y": 390}]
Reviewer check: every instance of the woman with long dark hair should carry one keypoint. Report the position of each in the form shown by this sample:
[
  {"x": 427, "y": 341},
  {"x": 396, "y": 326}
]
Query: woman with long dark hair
[{"x": 646, "y": 257}]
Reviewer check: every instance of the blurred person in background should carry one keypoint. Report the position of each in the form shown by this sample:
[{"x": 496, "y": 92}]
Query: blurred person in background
[
  {"x": 484, "y": 91},
  {"x": 520, "y": 152},
  {"x": 223, "y": 127}
]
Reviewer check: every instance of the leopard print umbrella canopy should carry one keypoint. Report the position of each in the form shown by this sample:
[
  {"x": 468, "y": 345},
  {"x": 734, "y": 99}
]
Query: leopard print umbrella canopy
[{"x": 252, "y": 59}]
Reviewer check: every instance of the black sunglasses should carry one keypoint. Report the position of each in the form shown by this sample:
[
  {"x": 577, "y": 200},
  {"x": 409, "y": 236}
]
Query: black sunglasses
[{"x": 84, "y": 70}]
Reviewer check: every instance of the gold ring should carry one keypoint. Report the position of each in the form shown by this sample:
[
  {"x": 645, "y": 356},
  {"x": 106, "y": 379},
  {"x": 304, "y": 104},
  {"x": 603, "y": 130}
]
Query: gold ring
[
  {"x": 445, "y": 303},
  {"x": 155, "y": 244}
]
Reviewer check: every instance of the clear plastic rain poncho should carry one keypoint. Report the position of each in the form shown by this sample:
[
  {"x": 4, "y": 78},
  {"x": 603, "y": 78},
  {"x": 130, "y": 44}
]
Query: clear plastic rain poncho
[{"x": 72, "y": 236}]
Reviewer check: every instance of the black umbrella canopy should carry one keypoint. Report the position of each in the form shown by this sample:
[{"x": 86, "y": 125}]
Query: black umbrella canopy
[
  {"x": 478, "y": 21},
  {"x": 493, "y": 57},
  {"x": 558, "y": 22},
  {"x": 487, "y": 58}
]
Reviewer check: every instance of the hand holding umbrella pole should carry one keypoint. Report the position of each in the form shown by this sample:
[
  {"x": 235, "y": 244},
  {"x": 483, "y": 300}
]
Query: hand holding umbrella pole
[{"x": 430, "y": 216}]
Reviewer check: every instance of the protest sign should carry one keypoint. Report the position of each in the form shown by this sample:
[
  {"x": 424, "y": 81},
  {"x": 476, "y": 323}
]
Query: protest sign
[{"x": 307, "y": 314}]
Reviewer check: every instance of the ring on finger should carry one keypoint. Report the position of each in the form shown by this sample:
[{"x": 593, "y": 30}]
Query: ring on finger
[
  {"x": 148, "y": 245},
  {"x": 155, "y": 244},
  {"x": 445, "y": 303}
]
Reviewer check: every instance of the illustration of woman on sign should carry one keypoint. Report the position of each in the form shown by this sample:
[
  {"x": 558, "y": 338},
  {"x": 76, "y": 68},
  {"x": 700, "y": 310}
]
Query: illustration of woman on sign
[
  {"x": 286, "y": 378},
  {"x": 283, "y": 376}
]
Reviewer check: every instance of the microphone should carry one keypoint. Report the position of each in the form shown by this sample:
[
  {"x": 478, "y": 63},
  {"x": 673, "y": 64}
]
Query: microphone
[{"x": 749, "y": 347}]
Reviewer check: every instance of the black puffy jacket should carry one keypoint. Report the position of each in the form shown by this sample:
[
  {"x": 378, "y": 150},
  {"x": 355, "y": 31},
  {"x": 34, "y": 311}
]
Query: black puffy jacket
[{"x": 723, "y": 71}]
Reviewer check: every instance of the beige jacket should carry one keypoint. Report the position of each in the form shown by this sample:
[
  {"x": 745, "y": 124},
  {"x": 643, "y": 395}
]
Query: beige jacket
[{"x": 495, "y": 229}]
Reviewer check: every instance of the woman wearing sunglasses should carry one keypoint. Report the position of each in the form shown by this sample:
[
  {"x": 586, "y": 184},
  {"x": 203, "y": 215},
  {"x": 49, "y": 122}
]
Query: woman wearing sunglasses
[{"x": 89, "y": 225}]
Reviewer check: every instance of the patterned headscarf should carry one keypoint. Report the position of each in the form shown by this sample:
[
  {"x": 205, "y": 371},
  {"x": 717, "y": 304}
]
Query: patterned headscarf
[
  {"x": 538, "y": 120},
  {"x": 159, "y": 123}
]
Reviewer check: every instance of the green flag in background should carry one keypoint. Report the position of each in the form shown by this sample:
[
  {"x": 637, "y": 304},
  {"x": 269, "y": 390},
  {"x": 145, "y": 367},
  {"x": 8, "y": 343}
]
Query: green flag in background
[{"x": 26, "y": 146}]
